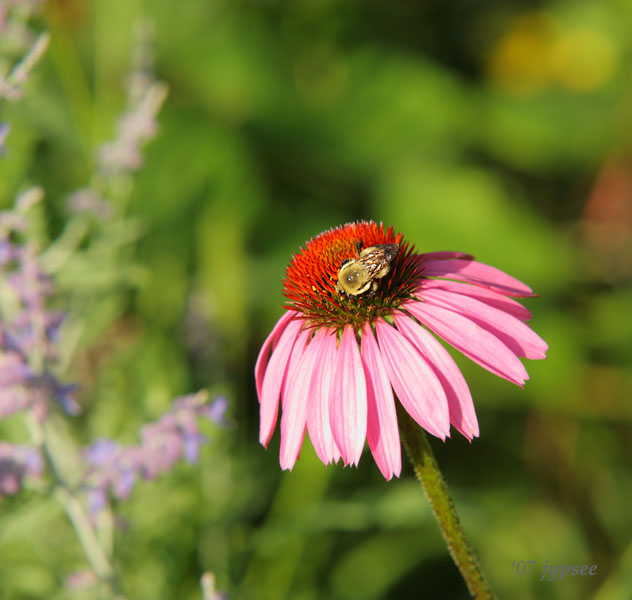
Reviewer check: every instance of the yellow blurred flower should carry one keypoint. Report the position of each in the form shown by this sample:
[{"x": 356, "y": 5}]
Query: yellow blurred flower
[
  {"x": 538, "y": 51},
  {"x": 583, "y": 59},
  {"x": 520, "y": 62}
]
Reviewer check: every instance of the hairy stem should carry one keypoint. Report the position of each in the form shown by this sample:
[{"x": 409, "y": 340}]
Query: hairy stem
[{"x": 436, "y": 489}]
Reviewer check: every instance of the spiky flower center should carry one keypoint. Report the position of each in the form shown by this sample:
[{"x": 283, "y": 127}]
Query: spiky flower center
[{"x": 311, "y": 280}]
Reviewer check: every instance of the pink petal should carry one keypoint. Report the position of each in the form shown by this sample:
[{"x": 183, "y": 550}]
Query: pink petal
[
  {"x": 414, "y": 382},
  {"x": 318, "y": 409},
  {"x": 274, "y": 378},
  {"x": 478, "y": 273},
  {"x": 504, "y": 303},
  {"x": 462, "y": 413},
  {"x": 264, "y": 353},
  {"x": 512, "y": 332},
  {"x": 296, "y": 398},
  {"x": 443, "y": 255},
  {"x": 469, "y": 338},
  {"x": 382, "y": 430},
  {"x": 347, "y": 400}
]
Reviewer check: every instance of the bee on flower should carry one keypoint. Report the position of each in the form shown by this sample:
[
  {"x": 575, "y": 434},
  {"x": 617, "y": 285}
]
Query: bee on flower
[{"x": 358, "y": 335}]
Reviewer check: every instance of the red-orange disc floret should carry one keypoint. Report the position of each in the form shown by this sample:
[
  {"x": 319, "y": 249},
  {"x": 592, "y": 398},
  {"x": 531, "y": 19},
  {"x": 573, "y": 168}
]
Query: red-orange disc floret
[{"x": 310, "y": 282}]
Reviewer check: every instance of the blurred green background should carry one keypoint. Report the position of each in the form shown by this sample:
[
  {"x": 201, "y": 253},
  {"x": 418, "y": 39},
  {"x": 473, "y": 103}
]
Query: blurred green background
[{"x": 502, "y": 130}]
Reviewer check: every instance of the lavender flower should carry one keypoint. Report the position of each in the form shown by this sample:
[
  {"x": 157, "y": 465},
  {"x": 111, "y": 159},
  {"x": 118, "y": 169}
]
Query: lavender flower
[
  {"x": 207, "y": 583},
  {"x": 81, "y": 580},
  {"x": 12, "y": 86},
  {"x": 26, "y": 8},
  {"x": 86, "y": 200},
  {"x": 134, "y": 129},
  {"x": 115, "y": 468},
  {"x": 15, "y": 32},
  {"x": 16, "y": 462},
  {"x": 122, "y": 155},
  {"x": 27, "y": 327},
  {"x": 4, "y": 131}
]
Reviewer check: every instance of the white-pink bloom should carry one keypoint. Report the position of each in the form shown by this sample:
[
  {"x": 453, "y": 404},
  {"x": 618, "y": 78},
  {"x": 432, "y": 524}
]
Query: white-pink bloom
[{"x": 343, "y": 354}]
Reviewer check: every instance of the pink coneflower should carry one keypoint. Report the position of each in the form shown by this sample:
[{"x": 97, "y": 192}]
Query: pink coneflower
[{"x": 362, "y": 306}]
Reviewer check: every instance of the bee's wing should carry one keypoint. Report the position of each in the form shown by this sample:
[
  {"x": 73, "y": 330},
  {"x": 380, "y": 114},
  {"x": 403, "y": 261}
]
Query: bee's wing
[
  {"x": 375, "y": 260},
  {"x": 390, "y": 251}
]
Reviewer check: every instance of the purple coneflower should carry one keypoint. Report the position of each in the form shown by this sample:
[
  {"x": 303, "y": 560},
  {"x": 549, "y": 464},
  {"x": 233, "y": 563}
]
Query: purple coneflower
[{"x": 356, "y": 337}]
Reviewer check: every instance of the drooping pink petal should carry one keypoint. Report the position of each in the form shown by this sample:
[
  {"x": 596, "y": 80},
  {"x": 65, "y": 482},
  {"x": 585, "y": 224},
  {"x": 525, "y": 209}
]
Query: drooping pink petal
[
  {"x": 462, "y": 413},
  {"x": 264, "y": 353},
  {"x": 512, "y": 332},
  {"x": 495, "y": 299},
  {"x": 274, "y": 378},
  {"x": 415, "y": 383},
  {"x": 445, "y": 255},
  {"x": 294, "y": 361},
  {"x": 296, "y": 398},
  {"x": 318, "y": 409},
  {"x": 469, "y": 338},
  {"x": 382, "y": 430},
  {"x": 347, "y": 400},
  {"x": 478, "y": 273}
]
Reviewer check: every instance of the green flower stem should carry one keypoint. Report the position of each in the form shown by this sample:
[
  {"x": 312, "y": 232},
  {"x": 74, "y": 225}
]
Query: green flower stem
[
  {"x": 63, "y": 492},
  {"x": 85, "y": 532},
  {"x": 429, "y": 475}
]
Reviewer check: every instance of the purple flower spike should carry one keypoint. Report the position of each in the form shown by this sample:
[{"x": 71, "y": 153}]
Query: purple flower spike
[
  {"x": 16, "y": 462},
  {"x": 114, "y": 468},
  {"x": 97, "y": 499},
  {"x": 28, "y": 331},
  {"x": 134, "y": 128},
  {"x": 4, "y": 131},
  {"x": 87, "y": 201},
  {"x": 215, "y": 412}
]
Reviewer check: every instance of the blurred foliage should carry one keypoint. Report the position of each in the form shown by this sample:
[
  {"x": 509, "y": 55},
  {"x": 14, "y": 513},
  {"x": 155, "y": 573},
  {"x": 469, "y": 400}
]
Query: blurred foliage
[{"x": 502, "y": 131}]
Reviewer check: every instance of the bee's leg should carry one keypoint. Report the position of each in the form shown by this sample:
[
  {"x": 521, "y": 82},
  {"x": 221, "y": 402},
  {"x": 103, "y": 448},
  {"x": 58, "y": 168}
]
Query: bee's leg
[{"x": 358, "y": 246}]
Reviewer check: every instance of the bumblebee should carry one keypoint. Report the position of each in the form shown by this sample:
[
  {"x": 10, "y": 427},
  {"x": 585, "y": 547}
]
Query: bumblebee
[{"x": 359, "y": 275}]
